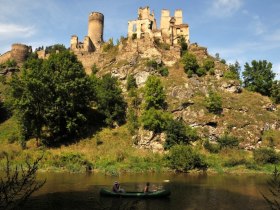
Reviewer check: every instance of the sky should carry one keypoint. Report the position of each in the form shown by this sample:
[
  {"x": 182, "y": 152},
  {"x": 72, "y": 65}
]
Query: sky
[{"x": 239, "y": 30}]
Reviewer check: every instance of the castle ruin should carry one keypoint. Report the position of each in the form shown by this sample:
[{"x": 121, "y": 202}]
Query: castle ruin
[
  {"x": 171, "y": 28},
  {"x": 94, "y": 39},
  {"x": 18, "y": 53}
]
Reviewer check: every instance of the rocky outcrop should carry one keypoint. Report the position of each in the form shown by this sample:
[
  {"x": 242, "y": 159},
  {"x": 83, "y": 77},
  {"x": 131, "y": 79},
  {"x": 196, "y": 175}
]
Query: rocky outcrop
[
  {"x": 149, "y": 140},
  {"x": 231, "y": 86}
]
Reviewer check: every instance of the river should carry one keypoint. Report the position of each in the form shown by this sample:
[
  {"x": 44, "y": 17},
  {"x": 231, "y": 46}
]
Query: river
[{"x": 188, "y": 192}]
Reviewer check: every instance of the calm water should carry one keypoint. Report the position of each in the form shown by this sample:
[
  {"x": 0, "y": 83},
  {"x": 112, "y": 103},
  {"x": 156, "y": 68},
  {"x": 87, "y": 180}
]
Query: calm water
[{"x": 81, "y": 191}]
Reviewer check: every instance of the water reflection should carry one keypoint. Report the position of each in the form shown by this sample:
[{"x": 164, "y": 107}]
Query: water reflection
[{"x": 189, "y": 192}]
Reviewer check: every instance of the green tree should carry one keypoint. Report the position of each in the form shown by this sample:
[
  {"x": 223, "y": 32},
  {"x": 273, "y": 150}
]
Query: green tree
[
  {"x": 183, "y": 44},
  {"x": 183, "y": 158},
  {"x": 109, "y": 99},
  {"x": 52, "y": 97},
  {"x": 55, "y": 48},
  {"x": 258, "y": 77},
  {"x": 190, "y": 63},
  {"x": 155, "y": 120},
  {"x": 275, "y": 91},
  {"x": 214, "y": 103},
  {"x": 178, "y": 133},
  {"x": 154, "y": 95},
  {"x": 234, "y": 71}
]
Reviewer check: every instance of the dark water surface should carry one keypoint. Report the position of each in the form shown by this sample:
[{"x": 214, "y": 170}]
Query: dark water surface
[{"x": 211, "y": 192}]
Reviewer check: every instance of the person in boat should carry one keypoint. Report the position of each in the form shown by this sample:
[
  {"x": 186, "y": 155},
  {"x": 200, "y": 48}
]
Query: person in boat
[
  {"x": 117, "y": 188},
  {"x": 146, "y": 189}
]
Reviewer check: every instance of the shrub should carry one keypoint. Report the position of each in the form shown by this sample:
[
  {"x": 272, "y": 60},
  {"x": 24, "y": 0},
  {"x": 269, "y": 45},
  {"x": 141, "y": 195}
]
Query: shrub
[
  {"x": 175, "y": 133},
  {"x": 228, "y": 141},
  {"x": 155, "y": 120},
  {"x": 190, "y": 62},
  {"x": 234, "y": 157},
  {"x": 183, "y": 158},
  {"x": 190, "y": 73},
  {"x": 214, "y": 103},
  {"x": 212, "y": 71},
  {"x": 201, "y": 71},
  {"x": 266, "y": 155},
  {"x": 154, "y": 95},
  {"x": 208, "y": 64},
  {"x": 153, "y": 64},
  {"x": 230, "y": 75},
  {"x": 211, "y": 147},
  {"x": 163, "y": 71}
]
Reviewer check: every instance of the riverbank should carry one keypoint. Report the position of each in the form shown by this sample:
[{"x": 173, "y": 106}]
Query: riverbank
[{"x": 111, "y": 151}]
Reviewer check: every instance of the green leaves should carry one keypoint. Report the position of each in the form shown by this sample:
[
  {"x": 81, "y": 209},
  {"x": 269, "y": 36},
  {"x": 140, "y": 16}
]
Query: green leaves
[
  {"x": 52, "y": 97},
  {"x": 154, "y": 94},
  {"x": 259, "y": 77}
]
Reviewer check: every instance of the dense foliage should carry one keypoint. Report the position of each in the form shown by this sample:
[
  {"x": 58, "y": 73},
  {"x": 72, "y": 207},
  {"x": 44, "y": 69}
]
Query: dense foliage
[
  {"x": 178, "y": 133},
  {"x": 275, "y": 91},
  {"x": 266, "y": 155},
  {"x": 228, "y": 141},
  {"x": 109, "y": 99},
  {"x": 154, "y": 95},
  {"x": 131, "y": 82},
  {"x": 258, "y": 77},
  {"x": 51, "y": 97},
  {"x": 234, "y": 71},
  {"x": 214, "y": 103},
  {"x": 190, "y": 63},
  {"x": 184, "y": 158},
  {"x": 155, "y": 120}
]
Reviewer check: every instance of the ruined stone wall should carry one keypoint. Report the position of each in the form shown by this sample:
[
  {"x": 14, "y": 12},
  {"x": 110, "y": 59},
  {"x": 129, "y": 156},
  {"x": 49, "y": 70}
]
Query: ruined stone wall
[
  {"x": 95, "y": 28},
  {"x": 5, "y": 57},
  {"x": 179, "y": 17}
]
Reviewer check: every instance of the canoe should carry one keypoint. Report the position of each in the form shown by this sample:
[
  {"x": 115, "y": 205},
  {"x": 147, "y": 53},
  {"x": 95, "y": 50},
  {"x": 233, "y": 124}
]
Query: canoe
[{"x": 155, "y": 194}]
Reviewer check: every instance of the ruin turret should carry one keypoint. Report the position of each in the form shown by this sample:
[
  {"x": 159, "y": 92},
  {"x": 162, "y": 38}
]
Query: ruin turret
[{"x": 95, "y": 28}]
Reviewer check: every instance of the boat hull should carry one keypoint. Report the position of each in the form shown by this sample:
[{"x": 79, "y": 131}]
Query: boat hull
[{"x": 156, "y": 194}]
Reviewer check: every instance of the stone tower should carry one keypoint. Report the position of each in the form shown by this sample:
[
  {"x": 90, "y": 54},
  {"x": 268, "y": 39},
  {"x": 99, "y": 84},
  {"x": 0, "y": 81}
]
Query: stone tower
[
  {"x": 20, "y": 52},
  {"x": 95, "y": 28}
]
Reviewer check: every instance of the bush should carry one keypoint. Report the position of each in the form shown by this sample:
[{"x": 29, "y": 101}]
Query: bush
[
  {"x": 266, "y": 155},
  {"x": 213, "y": 148},
  {"x": 230, "y": 75},
  {"x": 163, "y": 71},
  {"x": 190, "y": 62},
  {"x": 214, "y": 103},
  {"x": 234, "y": 157},
  {"x": 208, "y": 64},
  {"x": 184, "y": 158},
  {"x": 212, "y": 71},
  {"x": 154, "y": 95},
  {"x": 228, "y": 141},
  {"x": 153, "y": 64},
  {"x": 201, "y": 71},
  {"x": 155, "y": 120},
  {"x": 176, "y": 133},
  {"x": 132, "y": 119}
]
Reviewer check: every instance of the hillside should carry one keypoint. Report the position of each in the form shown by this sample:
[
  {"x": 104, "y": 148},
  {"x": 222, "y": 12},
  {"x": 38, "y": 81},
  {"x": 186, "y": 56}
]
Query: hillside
[{"x": 248, "y": 116}]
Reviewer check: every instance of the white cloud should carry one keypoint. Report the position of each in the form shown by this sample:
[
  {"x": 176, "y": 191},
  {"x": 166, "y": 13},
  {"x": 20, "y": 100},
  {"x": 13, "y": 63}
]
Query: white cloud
[
  {"x": 225, "y": 8},
  {"x": 14, "y": 30}
]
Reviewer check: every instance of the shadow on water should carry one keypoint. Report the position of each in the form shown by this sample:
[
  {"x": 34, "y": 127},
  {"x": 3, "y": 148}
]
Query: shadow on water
[{"x": 185, "y": 197}]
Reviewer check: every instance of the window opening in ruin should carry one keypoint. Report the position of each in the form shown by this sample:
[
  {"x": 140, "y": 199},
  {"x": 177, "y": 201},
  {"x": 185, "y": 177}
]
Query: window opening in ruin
[
  {"x": 151, "y": 25},
  {"x": 134, "y": 28}
]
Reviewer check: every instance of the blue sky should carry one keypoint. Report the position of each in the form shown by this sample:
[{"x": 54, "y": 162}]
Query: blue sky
[{"x": 240, "y": 30}]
